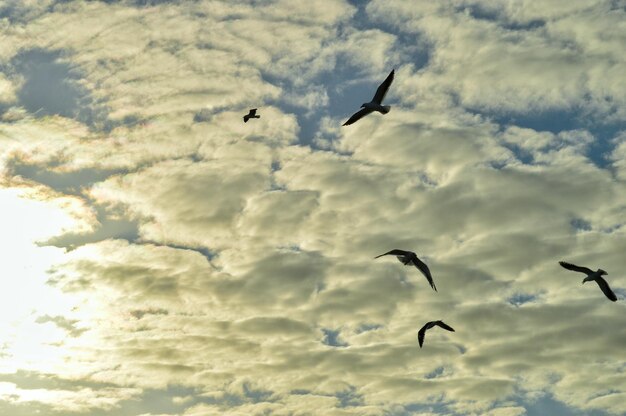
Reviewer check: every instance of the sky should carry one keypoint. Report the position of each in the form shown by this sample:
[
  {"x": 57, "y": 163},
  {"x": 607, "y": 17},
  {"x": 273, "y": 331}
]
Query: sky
[{"x": 163, "y": 258}]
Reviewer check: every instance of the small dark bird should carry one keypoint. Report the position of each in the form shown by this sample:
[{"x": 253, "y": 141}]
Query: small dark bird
[
  {"x": 407, "y": 257},
  {"x": 251, "y": 114},
  {"x": 422, "y": 332},
  {"x": 376, "y": 103},
  {"x": 591, "y": 275}
]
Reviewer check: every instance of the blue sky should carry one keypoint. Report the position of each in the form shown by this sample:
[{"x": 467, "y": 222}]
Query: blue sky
[{"x": 162, "y": 258}]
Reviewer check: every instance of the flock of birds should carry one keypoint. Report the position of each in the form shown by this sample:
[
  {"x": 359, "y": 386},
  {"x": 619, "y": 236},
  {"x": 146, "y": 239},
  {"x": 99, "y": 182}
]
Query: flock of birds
[{"x": 410, "y": 258}]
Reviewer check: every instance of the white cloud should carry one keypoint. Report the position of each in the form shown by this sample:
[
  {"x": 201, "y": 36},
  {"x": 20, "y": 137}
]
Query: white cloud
[
  {"x": 569, "y": 61},
  {"x": 65, "y": 400}
]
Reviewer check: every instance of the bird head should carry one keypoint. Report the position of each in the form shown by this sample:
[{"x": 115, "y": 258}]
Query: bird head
[{"x": 602, "y": 272}]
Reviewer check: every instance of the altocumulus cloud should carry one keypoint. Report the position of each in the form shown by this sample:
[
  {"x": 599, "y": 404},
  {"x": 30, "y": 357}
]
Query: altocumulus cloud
[{"x": 211, "y": 267}]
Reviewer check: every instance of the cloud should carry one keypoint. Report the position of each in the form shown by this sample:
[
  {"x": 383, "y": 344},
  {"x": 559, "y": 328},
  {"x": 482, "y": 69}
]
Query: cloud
[
  {"x": 61, "y": 400},
  {"x": 228, "y": 268},
  {"x": 63, "y": 323},
  {"x": 492, "y": 61}
]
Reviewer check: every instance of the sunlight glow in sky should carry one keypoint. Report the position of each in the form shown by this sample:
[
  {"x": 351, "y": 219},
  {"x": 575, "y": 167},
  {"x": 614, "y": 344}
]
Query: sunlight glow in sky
[{"x": 24, "y": 294}]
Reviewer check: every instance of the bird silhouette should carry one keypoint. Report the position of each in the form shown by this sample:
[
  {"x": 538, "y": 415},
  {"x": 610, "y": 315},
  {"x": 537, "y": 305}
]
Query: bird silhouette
[
  {"x": 591, "y": 275},
  {"x": 422, "y": 332},
  {"x": 408, "y": 257},
  {"x": 376, "y": 103},
  {"x": 251, "y": 114}
]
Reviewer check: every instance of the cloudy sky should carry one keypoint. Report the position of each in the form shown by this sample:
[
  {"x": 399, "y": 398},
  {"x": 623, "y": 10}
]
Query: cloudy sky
[{"x": 162, "y": 258}]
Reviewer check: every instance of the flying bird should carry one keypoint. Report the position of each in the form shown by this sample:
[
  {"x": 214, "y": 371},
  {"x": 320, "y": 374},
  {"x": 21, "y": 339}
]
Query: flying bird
[
  {"x": 251, "y": 114},
  {"x": 407, "y": 257},
  {"x": 376, "y": 103},
  {"x": 422, "y": 332},
  {"x": 591, "y": 275}
]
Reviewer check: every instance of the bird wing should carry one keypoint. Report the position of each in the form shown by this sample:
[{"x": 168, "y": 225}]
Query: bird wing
[
  {"x": 245, "y": 118},
  {"x": 421, "y": 333},
  {"x": 358, "y": 115},
  {"x": 382, "y": 88},
  {"x": 425, "y": 271},
  {"x": 570, "y": 266},
  {"x": 253, "y": 111},
  {"x": 444, "y": 326},
  {"x": 604, "y": 286},
  {"x": 395, "y": 252}
]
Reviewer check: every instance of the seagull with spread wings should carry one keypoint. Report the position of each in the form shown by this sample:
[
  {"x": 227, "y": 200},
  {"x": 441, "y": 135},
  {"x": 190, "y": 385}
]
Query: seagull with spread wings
[
  {"x": 591, "y": 275},
  {"x": 408, "y": 257},
  {"x": 422, "y": 332},
  {"x": 376, "y": 103},
  {"x": 251, "y": 114}
]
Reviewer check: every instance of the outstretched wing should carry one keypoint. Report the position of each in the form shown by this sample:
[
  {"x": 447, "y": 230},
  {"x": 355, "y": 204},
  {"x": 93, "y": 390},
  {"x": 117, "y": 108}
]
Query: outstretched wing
[
  {"x": 358, "y": 115},
  {"x": 444, "y": 326},
  {"x": 570, "y": 266},
  {"x": 382, "y": 88},
  {"x": 604, "y": 286},
  {"x": 421, "y": 333},
  {"x": 252, "y": 112},
  {"x": 245, "y": 118},
  {"x": 425, "y": 271},
  {"x": 394, "y": 252}
]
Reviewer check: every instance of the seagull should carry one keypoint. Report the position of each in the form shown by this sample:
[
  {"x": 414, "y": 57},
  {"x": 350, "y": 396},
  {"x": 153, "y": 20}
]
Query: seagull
[
  {"x": 591, "y": 275},
  {"x": 251, "y": 114},
  {"x": 376, "y": 103},
  {"x": 407, "y": 257},
  {"x": 422, "y": 332}
]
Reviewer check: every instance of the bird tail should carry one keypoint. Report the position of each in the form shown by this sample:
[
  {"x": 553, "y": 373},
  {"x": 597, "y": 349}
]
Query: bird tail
[{"x": 385, "y": 109}]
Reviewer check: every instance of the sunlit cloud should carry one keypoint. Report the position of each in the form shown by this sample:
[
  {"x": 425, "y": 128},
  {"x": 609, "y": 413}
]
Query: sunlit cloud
[{"x": 161, "y": 257}]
